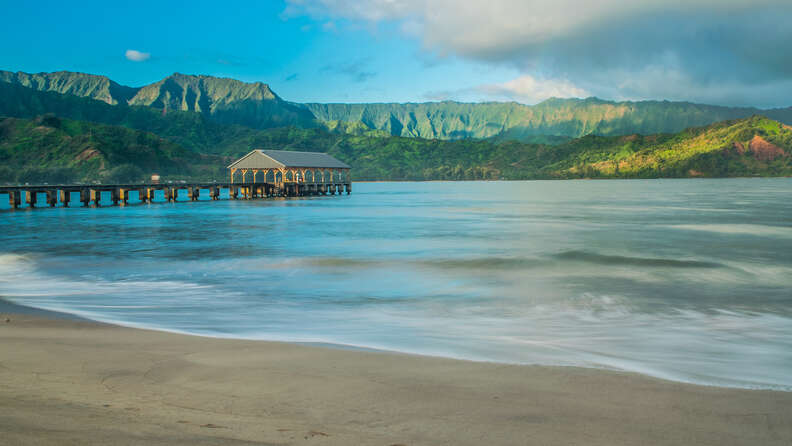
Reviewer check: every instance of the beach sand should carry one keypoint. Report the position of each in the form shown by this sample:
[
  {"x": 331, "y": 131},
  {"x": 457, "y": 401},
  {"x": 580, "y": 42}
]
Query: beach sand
[{"x": 72, "y": 382}]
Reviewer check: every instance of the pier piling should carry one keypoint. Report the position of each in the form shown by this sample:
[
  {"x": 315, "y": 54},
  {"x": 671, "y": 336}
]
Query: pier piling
[
  {"x": 52, "y": 197},
  {"x": 65, "y": 197},
  {"x": 96, "y": 197},
  {"x": 91, "y": 195},
  {"x": 14, "y": 198},
  {"x": 31, "y": 198},
  {"x": 123, "y": 195}
]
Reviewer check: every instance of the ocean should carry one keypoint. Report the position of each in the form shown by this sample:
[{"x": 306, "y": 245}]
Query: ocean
[{"x": 687, "y": 280}]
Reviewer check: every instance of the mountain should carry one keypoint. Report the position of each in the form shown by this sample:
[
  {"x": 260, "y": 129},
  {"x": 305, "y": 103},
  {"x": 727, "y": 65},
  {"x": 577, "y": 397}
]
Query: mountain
[
  {"x": 57, "y": 150},
  {"x": 191, "y": 130},
  {"x": 91, "y": 86},
  {"x": 227, "y": 101},
  {"x": 83, "y": 127},
  {"x": 52, "y": 149},
  {"x": 256, "y": 106},
  {"x": 755, "y": 146},
  {"x": 570, "y": 118},
  {"x": 221, "y": 99}
]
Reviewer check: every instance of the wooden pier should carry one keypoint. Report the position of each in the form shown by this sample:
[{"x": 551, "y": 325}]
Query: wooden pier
[
  {"x": 121, "y": 194},
  {"x": 259, "y": 174}
]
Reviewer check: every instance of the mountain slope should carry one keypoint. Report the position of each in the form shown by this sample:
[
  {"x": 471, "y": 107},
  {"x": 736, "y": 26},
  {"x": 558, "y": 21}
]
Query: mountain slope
[
  {"x": 220, "y": 99},
  {"x": 194, "y": 131},
  {"x": 554, "y": 117},
  {"x": 52, "y": 149},
  {"x": 79, "y": 84},
  {"x": 255, "y": 105},
  {"x": 225, "y": 100},
  {"x": 746, "y": 147}
]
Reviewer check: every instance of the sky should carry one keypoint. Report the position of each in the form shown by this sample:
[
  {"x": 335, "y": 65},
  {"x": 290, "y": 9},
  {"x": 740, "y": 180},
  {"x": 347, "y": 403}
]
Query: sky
[{"x": 725, "y": 52}]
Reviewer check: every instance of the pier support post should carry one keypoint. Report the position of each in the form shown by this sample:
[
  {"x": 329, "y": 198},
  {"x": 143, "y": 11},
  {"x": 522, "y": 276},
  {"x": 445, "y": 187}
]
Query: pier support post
[
  {"x": 193, "y": 192},
  {"x": 214, "y": 192},
  {"x": 52, "y": 198},
  {"x": 142, "y": 195},
  {"x": 31, "y": 198},
  {"x": 14, "y": 199},
  {"x": 123, "y": 195},
  {"x": 348, "y": 188},
  {"x": 150, "y": 192},
  {"x": 115, "y": 196},
  {"x": 65, "y": 197},
  {"x": 85, "y": 197},
  {"x": 233, "y": 192},
  {"x": 96, "y": 197}
]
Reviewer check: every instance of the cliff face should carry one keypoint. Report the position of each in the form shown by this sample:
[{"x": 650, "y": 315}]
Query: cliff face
[
  {"x": 255, "y": 105},
  {"x": 79, "y": 84},
  {"x": 555, "y": 117},
  {"x": 224, "y": 100}
]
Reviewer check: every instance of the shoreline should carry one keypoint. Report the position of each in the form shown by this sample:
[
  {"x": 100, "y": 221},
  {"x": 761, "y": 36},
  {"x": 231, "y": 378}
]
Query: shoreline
[
  {"x": 11, "y": 307},
  {"x": 96, "y": 383}
]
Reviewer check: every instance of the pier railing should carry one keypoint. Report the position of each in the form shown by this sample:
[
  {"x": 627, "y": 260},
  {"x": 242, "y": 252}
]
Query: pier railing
[{"x": 120, "y": 193}]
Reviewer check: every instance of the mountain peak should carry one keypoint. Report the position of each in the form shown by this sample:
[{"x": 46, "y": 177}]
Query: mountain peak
[{"x": 67, "y": 82}]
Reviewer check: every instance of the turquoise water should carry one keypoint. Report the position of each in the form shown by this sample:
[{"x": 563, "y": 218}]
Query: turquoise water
[{"x": 688, "y": 280}]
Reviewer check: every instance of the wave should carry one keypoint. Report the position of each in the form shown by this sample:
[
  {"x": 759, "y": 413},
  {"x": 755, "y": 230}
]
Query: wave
[
  {"x": 748, "y": 229},
  {"x": 602, "y": 259}
]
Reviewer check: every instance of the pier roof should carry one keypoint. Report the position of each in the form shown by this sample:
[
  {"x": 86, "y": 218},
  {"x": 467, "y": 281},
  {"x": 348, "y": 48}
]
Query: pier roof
[{"x": 279, "y": 159}]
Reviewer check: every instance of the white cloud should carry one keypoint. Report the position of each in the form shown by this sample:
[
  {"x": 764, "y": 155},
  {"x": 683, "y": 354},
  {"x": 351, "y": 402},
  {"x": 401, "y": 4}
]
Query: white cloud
[
  {"x": 530, "y": 90},
  {"x": 598, "y": 45},
  {"x": 476, "y": 25},
  {"x": 525, "y": 89},
  {"x": 137, "y": 56}
]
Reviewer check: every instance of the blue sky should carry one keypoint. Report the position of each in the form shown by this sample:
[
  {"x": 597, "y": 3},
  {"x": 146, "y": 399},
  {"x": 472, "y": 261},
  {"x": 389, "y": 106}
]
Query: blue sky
[{"x": 419, "y": 50}]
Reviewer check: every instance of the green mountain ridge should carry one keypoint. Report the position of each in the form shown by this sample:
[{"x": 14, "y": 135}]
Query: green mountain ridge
[
  {"x": 192, "y": 126},
  {"x": 52, "y": 149},
  {"x": 255, "y": 105},
  {"x": 224, "y": 100},
  {"x": 571, "y": 118},
  {"x": 57, "y": 150}
]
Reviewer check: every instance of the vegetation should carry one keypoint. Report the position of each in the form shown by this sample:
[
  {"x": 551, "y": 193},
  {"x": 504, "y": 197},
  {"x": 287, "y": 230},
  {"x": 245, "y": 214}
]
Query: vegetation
[
  {"x": 64, "y": 127},
  {"x": 51, "y": 149},
  {"x": 256, "y": 106},
  {"x": 555, "y": 118},
  {"x": 223, "y": 100},
  {"x": 747, "y": 147}
]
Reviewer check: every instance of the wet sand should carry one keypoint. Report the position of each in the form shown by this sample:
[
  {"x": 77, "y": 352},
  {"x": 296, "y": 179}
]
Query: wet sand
[{"x": 73, "y": 382}]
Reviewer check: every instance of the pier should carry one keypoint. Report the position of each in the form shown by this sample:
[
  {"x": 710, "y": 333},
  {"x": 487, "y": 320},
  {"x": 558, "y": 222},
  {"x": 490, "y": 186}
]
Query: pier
[{"x": 259, "y": 174}]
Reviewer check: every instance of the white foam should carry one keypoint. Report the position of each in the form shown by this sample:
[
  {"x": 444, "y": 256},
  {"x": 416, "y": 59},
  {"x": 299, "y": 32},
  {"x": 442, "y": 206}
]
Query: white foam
[{"x": 759, "y": 230}]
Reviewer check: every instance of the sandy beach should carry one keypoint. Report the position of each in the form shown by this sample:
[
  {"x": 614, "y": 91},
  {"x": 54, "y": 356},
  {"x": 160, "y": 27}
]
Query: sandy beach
[{"x": 65, "y": 382}]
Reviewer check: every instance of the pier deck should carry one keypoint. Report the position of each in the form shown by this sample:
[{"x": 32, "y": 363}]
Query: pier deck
[{"x": 91, "y": 194}]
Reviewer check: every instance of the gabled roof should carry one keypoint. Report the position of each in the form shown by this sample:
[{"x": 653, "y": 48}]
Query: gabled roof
[{"x": 277, "y": 159}]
